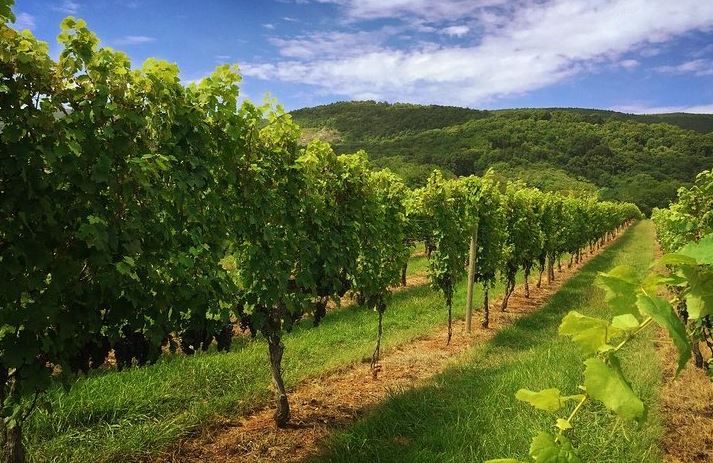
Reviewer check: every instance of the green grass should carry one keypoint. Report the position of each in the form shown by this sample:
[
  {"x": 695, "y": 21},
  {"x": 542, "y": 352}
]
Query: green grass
[
  {"x": 469, "y": 413},
  {"x": 417, "y": 265},
  {"x": 128, "y": 415}
]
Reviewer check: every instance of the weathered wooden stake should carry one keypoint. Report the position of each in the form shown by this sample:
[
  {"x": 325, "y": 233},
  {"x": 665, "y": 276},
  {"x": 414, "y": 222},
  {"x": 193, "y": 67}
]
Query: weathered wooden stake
[{"x": 471, "y": 280}]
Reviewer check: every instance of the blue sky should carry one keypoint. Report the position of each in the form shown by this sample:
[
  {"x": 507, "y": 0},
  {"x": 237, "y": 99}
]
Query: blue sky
[{"x": 629, "y": 55}]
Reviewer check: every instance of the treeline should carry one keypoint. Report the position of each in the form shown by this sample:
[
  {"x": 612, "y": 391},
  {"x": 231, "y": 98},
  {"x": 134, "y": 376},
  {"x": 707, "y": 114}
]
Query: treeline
[
  {"x": 627, "y": 160},
  {"x": 138, "y": 214}
]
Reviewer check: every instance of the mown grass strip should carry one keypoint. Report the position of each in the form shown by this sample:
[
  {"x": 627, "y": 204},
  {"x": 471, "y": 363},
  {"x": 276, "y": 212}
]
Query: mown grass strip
[{"x": 469, "y": 413}]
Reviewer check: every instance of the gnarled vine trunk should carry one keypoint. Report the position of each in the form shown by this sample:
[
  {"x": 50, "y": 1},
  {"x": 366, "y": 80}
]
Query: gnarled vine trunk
[
  {"x": 539, "y": 279},
  {"x": 13, "y": 451},
  {"x": 486, "y": 307},
  {"x": 697, "y": 355},
  {"x": 527, "y": 283},
  {"x": 377, "y": 350},
  {"x": 403, "y": 274},
  {"x": 449, "y": 303},
  {"x": 3, "y": 385},
  {"x": 509, "y": 288},
  {"x": 276, "y": 349}
]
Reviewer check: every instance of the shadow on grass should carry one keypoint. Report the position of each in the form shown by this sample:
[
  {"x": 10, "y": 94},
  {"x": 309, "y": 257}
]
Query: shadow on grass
[{"x": 468, "y": 413}]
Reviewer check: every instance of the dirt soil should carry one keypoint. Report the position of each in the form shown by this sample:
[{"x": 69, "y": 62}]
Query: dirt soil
[
  {"x": 687, "y": 410},
  {"x": 332, "y": 401}
]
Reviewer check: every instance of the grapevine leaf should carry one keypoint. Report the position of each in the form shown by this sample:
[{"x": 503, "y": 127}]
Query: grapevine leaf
[
  {"x": 620, "y": 285},
  {"x": 608, "y": 385},
  {"x": 701, "y": 251},
  {"x": 590, "y": 334},
  {"x": 503, "y": 460},
  {"x": 546, "y": 399},
  {"x": 5, "y": 330},
  {"x": 625, "y": 322},
  {"x": 6, "y": 10},
  {"x": 699, "y": 297},
  {"x": 563, "y": 424},
  {"x": 654, "y": 280},
  {"x": 661, "y": 312},
  {"x": 676, "y": 259},
  {"x": 545, "y": 449}
]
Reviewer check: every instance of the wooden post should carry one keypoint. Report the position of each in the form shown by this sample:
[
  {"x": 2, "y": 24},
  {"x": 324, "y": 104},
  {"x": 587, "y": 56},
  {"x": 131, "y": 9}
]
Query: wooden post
[{"x": 471, "y": 278}]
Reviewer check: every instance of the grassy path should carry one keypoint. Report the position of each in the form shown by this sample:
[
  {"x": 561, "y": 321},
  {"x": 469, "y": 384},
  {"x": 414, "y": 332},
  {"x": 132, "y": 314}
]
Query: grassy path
[
  {"x": 129, "y": 415},
  {"x": 469, "y": 414}
]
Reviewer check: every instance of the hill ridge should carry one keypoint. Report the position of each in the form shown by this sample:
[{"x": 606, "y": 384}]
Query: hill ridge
[{"x": 638, "y": 158}]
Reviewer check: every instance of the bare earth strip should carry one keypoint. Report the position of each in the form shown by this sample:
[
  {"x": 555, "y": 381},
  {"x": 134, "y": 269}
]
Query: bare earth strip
[
  {"x": 687, "y": 409},
  {"x": 322, "y": 404}
]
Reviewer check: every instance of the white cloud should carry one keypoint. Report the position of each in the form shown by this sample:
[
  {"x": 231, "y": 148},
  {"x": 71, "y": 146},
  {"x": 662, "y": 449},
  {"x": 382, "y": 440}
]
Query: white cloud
[
  {"x": 456, "y": 31},
  {"x": 526, "y": 48},
  {"x": 268, "y": 26},
  {"x": 648, "y": 52},
  {"x": 698, "y": 67},
  {"x": 24, "y": 21},
  {"x": 134, "y": 40},
  {"x": 629, "y": 63},
  {"x": 643, "y": 109},
  {"x": 329, "y": 44},
  {"x": 222, "y": 58},
  {"x": 424, "y": 9},
  {"x": 67, "y": 7}
]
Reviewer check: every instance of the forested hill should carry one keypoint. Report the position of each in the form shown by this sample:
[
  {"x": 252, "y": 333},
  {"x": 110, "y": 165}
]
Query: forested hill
[{"x": 638, "y": 158}]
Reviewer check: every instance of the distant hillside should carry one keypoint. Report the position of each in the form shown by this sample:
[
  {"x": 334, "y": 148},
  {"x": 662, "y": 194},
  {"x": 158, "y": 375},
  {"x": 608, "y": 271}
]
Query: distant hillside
[{"x": 636, "y": 158}]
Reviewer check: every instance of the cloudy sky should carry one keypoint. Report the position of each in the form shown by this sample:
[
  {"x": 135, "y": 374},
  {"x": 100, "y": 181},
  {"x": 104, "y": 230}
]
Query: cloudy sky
[{"x": 629, "y": 55}]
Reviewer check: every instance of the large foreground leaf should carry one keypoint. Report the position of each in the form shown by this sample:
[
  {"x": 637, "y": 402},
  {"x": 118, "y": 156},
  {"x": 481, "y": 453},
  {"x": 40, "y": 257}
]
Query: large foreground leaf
[
  {"x": 620, "y": 285},
  {"x": 701, "y": 250},
  {"x": 545, "y": 449},
  {"x": 549, "y": 400},
  {"x": 661, "y": 311},
  {"x": 607, "y": 384},
  {"x": 590, "y": 334}
]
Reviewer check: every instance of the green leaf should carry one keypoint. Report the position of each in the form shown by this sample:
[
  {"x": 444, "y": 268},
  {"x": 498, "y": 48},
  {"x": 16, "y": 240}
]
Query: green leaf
[
  {"x": 661, "y": 312},
  {"x": 503, "y": 460},
  {"x": 5, "y": 330},
  {"x": 563, "y": 424},
  {"x": 626, "y": 322},
  {"x": 545, "y": 449},
  {"x": 546, "y": 399},
  {"x": 607, "y": 384},
  {"x": 701, "y": 251},
  {"x": 620, "y": 285},
  {"x": 699, "y": 296},
  {"x": 6, "y": 10},
  {"x": 589, "y": 333},
  {"x": 676, "y": 259}
]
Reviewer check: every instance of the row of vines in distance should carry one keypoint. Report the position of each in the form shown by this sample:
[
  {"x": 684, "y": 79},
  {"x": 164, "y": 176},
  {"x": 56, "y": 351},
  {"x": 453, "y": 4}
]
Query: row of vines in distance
[{"x": 685, "y": 275}]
